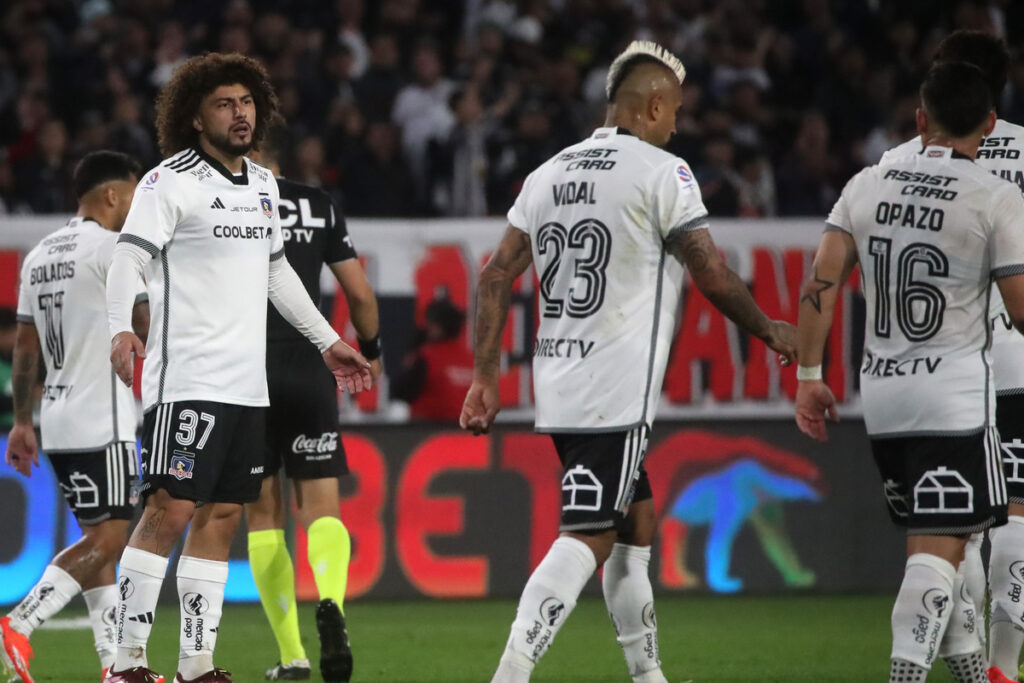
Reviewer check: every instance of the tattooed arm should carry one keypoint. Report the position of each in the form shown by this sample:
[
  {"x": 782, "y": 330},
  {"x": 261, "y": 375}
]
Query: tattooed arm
[
  {"x": 696, "y": 250},
  {"x": 494, "y": 292},
  {"x": 22, "y": 449},
  {"x": 836, "y": 257}
]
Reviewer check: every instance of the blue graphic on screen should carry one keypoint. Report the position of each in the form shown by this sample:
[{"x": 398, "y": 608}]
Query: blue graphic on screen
[
  {"x": 724, "y": 500},
  {"x": 47, "y": 516}
]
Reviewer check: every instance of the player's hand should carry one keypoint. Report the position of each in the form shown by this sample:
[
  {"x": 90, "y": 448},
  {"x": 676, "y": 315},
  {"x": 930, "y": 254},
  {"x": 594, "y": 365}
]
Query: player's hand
[
  {"x": 815, "y": 402},
  {"x": 352, "y": 372},
  {"x": 480, "y": 407},
  {"x": 781, "y": 338},
  {"x": 22, "y": 449},
  {"x": 376, "y": 369},
  {"x": 122, "y": 348}
]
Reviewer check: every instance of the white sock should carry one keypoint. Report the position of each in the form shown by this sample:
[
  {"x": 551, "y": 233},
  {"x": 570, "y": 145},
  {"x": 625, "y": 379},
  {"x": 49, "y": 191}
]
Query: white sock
[
  {"x": 102, "y": 604},
  {"x": 548, "y": 598},
  {"x": 973, "y": 570},
  {"x": 922, "y": 610},
  {"x": 960, "y": 648},
  {"x": 962, "y": 632},
  {"x": 139, "y": 579},
  {"x": 46, "y": 598},
  {"x": 1006, "y": 578},
  {"x": 630, "y": 601},
  {"x": 201, "y": 594}
]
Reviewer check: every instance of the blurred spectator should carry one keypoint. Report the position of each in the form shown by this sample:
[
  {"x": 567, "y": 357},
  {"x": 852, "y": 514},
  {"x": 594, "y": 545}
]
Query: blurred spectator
[
  {"x": 806, "y": 179},
  {"x": 798, "y": 93},
  {"x": 378, "y": 87},
  {"x": 421, "y": 110},
  {"x": 378, "y": 182},
  {"x": 437, "y": 372},
  {"x": 44, "y": 179}
]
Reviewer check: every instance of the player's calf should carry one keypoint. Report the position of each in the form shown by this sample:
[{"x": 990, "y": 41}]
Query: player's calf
[
  {"x": 1006, "y": 577},
  {"x": 630, "y": 601},
  {"x": 960, "y": 647},
  {"x": 920, "y": 616},
  {"x": 548, "y": 598}
]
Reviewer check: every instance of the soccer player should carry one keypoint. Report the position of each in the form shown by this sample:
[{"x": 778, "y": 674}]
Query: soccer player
[
  {"x": 204, "y": 229},
  {"x": 930, "y": 230},
  {"x": 609, "y": 224},
  {"x": 88, "y": 418},
  {"x": 302, "y": 432},
  {"x": 1001, "y": 153}
]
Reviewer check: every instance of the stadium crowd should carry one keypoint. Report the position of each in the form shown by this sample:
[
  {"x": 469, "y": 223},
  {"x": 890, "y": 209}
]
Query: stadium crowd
[{"x": 442, "y": 107}]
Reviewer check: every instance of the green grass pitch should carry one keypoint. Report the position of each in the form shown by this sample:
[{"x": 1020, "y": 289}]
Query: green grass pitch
[{"x": 703, "y": 640}]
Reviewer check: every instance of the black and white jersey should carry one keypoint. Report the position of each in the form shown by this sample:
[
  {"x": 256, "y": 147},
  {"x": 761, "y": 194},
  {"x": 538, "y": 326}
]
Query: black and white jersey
[
  {"x": 85, "y": 407},
  {"x": 598, "y": 214},
  {"x": 314, "y": 233},
  {"x": 1001, "y": 153},
  {"x": 932, "y": 230},
  {"x": 212, "y": 235}
]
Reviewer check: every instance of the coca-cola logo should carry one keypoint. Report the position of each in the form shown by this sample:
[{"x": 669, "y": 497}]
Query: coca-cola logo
[{"x": 325, "y": 443}]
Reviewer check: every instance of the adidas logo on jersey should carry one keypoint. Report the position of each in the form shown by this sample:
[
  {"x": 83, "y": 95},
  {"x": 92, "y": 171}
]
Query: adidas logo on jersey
[
  {"x": 146, "y": 618},
  {"x": 217, "y": 204}
]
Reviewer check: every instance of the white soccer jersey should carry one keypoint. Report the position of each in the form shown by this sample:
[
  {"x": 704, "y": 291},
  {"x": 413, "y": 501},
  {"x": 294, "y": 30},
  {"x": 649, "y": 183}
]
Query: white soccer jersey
[
  {"x": 1001, "y": 153},
  {"x": 931, "y": 228},
  {"x": 85, "y": 406},
  {"x": 598, "y": 214},
  {"x": 211, "y": 235}
]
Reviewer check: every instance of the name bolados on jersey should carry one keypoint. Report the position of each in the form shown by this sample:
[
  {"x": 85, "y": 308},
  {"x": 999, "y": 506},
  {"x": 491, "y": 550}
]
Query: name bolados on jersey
[
  {"x": 63, "y": 293},
  {"x": 1001, "y": 153},
  {"x": 212, "y": 235},
  {"x": 598, "y": 214},
  {"x": 932, "y": 230}
]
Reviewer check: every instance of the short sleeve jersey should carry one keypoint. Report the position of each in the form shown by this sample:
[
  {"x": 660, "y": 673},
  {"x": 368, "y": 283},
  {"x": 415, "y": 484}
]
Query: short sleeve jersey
[
  {"x": 932, "y": 230},
  {"x": 1002, "y": 154},
  {"x": 212, "y": 235},
  {"x": 63, "y": 293},
  {"x": 598, "y": 215},
  {"x": 314, "y": 233}
]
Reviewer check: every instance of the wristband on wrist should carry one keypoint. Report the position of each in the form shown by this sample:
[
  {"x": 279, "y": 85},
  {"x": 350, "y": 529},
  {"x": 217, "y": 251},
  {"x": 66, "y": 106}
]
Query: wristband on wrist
[
  {"x": 808, "y": 373},
  {"x": 370, "y": 348}
]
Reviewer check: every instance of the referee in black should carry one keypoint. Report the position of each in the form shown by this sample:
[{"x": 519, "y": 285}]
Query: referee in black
[{"x": 302, "y": 431}]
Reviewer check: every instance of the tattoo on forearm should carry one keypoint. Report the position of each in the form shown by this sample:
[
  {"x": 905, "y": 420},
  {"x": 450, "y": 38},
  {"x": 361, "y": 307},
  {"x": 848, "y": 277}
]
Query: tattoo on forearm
[
  {"x": 813, "y": 296},
  {"x": 494, "y": 296}
]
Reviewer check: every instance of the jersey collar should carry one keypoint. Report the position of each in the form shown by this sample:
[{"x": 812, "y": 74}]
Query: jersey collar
[
  {"x": 608, "y": 131},
  {"x": 242, "y": 179},
  {"x": 941, "y": 152}
]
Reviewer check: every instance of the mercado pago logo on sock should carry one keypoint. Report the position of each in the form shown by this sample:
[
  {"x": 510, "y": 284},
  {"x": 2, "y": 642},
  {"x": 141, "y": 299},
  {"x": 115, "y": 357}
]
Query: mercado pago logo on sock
[
  {"x": 650, "y": 621},
  {"x": 1017, "y": 571},
  {"x": 552, "y": 611},
  {"x": 126, "y": 587},
  {"x": 935, "y": 601},
  {"x": 195, "y": 604},
  {"x": 45, "y": 590}
]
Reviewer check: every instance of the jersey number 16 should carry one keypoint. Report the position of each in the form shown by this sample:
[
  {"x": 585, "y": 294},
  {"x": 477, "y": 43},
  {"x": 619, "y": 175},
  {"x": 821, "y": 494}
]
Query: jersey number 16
[{"x": 919, "y": 305}]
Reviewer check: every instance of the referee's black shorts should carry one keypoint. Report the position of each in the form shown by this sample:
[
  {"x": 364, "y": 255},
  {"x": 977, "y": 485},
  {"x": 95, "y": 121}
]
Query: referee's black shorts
[{"x": 302, "y": 421}]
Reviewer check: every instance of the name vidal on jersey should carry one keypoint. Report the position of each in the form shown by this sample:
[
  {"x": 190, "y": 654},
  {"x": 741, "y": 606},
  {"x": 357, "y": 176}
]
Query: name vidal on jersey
[
  {"x": 551, "y": 347},
  {"x": 876, "y": 366},
  {"x": 574, "y": 193}
]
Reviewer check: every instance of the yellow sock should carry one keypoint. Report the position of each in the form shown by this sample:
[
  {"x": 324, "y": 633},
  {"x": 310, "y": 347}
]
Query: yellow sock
[
  {"x": 329, "y": 553},
  {"x": 275, "y": 579}
]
